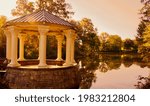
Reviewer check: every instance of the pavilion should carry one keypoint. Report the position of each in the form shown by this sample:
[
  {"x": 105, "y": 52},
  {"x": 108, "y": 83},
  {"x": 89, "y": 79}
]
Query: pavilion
[{"x": 43, "y": 24}]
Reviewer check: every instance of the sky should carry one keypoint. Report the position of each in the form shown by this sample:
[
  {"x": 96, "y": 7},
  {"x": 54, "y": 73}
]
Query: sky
[{"x": 112, "y": 16}]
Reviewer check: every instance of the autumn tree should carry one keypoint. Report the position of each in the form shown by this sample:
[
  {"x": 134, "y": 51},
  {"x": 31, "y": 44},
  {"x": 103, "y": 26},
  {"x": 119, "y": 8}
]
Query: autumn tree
[
  {"x": 103, "y": 39},
  {"x": 140, "y": 31},
  {"x": 87, "y": 43},
  {"x": 128, "y": 44},
  {"x": 145, "y": 10},
  {"x": 145, "y": 19},
  {"x": 56, "y": 7},
  {"x": 144, "y": 49},
  {"x": 114, "y": 43}
]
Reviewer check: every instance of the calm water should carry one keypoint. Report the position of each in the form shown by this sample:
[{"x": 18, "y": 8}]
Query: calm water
[{"x": 113, "y": 71}]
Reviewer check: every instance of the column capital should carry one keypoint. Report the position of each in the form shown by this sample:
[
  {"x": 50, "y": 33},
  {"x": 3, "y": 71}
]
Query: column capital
[
  {"x": 7, "y": 33},
  {"x": 69, "y": 33},
  {"x": 59, "y": 37},
  {"x": 22, "y": 35},
  {"x": 13, "y": 29},
  {"x": 43, "y": 29}
]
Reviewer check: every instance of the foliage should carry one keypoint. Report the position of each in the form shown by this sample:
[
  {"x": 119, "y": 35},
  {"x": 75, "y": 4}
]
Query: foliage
[
  {"x": 145, "y": 19},
  {"x": 140, "y": 31},
  {"x": 144, "y": 45},
  {"x": 112, "y": 44},
  {"x": 145, "y": 10},
  {"x": 87, "y": 26},
  {"x": 51, "y": 50},
  {"x": 87, "y": 43},
  {"x": 56, "y": 7},
  {"x": 129, "y": 45},
  {"x": 2, "y": 37},
  {"x": 31, "y": 47},
  {"x": 143, "y": 83},
  {"x": 87, "y": 71},
  {"x": 103, "y": 39},
  {"x": 144, "y": 49}
]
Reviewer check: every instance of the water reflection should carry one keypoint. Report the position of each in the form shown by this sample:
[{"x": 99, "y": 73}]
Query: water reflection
[
  {"x": 112, "y": 71},
  {"x": 88, "y": 66}
]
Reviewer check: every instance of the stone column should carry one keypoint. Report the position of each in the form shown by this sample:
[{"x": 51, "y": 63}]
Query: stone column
[
  {"x": 42, "y": 49},
  {"x": 8, "y": 44},
  {"x": 68, "y": 35},
  {"x": 14, "y": 47},
  {"x": 72, "y": 48},
  {"x": 59, "y": 47},
  {"x": 21, "y": 46}
]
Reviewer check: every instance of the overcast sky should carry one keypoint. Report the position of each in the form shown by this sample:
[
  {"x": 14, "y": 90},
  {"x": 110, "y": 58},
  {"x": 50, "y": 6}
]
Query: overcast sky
[{"x": 112, "y": 16}]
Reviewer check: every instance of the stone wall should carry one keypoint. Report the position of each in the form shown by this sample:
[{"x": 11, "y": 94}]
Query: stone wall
[
  {"x": 36, "y": 62},
  {"x": 62, "y": 78}
]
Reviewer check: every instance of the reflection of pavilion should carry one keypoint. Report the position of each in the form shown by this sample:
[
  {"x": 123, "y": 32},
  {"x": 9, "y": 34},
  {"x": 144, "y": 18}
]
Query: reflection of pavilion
[{"x": 40, "y": 23}]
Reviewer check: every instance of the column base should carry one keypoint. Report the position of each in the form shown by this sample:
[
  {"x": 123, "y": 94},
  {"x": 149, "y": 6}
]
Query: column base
[
  {"x": 13, "y": 65},
  {"x": 42, "y": 65},
  {"x": 59, "y": 59},
  {"x": 67, "y": 64},
  {"x": 21, "y": 59},
  {"x": 38, "y": 58},
  {"x": 73, "y": 62}
]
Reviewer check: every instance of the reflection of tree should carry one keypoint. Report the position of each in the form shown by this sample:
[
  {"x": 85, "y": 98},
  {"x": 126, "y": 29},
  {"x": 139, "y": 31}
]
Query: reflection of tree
[
  {"x": 87, "y": 78},
  {"x": 127, "y": 60},
  {"x": 104, "y": 63},
  {"x": 143, "y": 83},
  {"x": 114, "y": 64},
  {"x": 109, "y": 62},
  {"x": 87, "y": 72},
  {"x": 103, "y": 67}
]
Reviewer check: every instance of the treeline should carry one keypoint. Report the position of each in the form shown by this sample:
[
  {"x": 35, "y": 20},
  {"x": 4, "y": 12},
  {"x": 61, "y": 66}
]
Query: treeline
[{"x": 114, "y": 43}]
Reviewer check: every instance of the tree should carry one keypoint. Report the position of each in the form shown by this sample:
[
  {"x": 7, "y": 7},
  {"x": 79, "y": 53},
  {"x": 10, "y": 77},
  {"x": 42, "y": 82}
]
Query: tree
[
  {"x": 144, "y": 49},
  {"x": 87, "y": 26},
  {"x": 140, "y": 31},
  {"x": 128, "y": 44},
  {"x": 2, "y": 37},
  {"x": 145, "y": 10},
  {"x": 113, "y": 43},
  {"x": 87, "y": 42},
  {"x": 145, "y": 19},
  {"x": 144, "y": 46},
  {"x": 56, "y": 7},
  {"x": 103, "y": 39},
  {"x": 31, "y": 47}
]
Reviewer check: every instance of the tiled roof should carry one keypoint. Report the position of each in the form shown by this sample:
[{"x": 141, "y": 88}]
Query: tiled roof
[{"x": 41, "y": 16}]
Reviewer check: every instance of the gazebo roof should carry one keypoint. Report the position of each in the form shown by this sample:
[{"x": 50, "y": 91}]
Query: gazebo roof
[{"x": 41, "y": 16}]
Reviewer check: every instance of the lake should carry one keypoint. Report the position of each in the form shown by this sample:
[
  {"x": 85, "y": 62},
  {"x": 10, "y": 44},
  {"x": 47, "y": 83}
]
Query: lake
[{"x": 113, "y": 71}]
